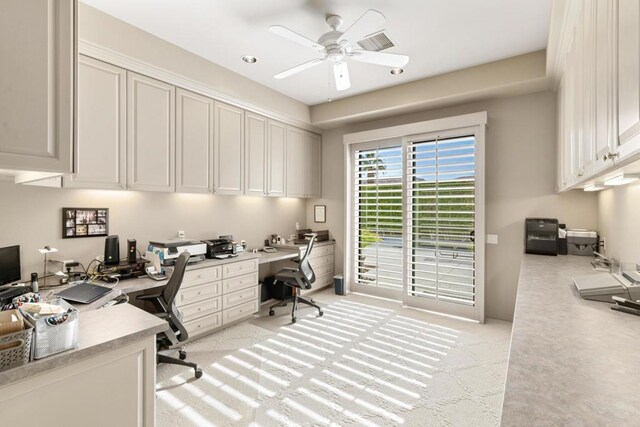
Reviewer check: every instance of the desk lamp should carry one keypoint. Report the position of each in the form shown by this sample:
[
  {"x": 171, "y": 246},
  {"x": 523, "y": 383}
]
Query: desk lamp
[{"x": 46, "y": 251}]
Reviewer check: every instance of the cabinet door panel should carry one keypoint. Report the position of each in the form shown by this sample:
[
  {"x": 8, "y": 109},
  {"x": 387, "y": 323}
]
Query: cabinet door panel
[
  {"x": 229, "y": 150},
  {"x": 38, "y": 55},
  {"x": 150, "y": 134},
  {"x": 313, "y": 164},
  {"x": 606, "y": 133},
  {"x": 628, "y": 78},
  {"x": 277, "y": 159},
  {"x": 296, "y": 160},
  {"x": 100, "y": 153},
  {"x": 194, "y": 142},
  {"x": 255, "y": 138},
  {"x": 588, "y": 67}
]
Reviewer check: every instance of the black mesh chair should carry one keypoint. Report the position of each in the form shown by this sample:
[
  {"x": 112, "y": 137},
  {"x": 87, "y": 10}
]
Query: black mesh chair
[
  {"x": 165, "y": 308},
  {"x": 298, "y": 278}
]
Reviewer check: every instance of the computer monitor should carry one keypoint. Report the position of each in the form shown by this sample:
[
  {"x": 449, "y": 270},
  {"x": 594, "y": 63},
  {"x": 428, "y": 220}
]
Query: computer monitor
[{"x": 9, "y": 264}]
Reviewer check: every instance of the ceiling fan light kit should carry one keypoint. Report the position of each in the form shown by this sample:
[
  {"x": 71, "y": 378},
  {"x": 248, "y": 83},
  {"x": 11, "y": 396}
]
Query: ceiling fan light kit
[
  {"x": 249, "y": 59},
  {"x": 338, "y": 47}
]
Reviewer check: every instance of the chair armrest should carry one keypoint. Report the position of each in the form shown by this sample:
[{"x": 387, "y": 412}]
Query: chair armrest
[
  {"x": 148, "y": 297},
  {"x": 290, "y": 269}
]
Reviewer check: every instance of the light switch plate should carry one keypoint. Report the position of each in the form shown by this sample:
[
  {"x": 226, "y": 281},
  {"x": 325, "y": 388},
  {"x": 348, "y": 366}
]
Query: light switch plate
[{"x": 492, "y": 239}]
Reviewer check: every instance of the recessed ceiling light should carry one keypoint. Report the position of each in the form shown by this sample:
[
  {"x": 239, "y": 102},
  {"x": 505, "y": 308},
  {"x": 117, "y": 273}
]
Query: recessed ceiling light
[
  {"x": 250, "y": 59},
  {"x": 396, "y": 71}
]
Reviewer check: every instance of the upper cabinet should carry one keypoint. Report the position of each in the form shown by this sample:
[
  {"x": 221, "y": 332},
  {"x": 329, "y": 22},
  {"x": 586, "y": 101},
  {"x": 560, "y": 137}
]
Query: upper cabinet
[
  {"x": 598, "y": 88},
  {"x": 100, "y": 150},
  {"x": 150, "y": 134},
  {"x": 38, "y": 51},
  {"x": 276, "y": 158},
  {"x": 194, "y": 142},
  {"x": 296, "y": 161},
  {"x": 255, "y": 146},
  {"x": 229, "y": 149},
  {"x": 628, "y": 77},
  {"x": 314, "y": 161}
]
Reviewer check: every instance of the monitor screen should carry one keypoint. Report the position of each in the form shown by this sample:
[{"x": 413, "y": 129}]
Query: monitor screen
[{"x": 9, "y": 264}]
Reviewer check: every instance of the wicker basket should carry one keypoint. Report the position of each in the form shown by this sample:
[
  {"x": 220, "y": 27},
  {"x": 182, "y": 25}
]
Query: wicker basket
[{"x": 20, "y": 351}]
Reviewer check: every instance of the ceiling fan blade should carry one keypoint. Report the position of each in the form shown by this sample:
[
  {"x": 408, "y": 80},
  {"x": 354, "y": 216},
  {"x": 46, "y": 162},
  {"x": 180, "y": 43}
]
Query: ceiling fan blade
[
  {"x": 298, "y": 68},
  {"x": 341, "y": 75},
  {"x": 295, "y": 37},
  {"x": 370, "y": 22},
  {"x": 389, "y": 59}
]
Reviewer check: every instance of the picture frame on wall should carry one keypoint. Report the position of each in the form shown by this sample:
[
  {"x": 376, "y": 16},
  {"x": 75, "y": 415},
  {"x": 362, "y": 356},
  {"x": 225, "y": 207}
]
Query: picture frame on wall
[
  {"x": 85, "y": 222},
  {"x": 320, "y": 213}
]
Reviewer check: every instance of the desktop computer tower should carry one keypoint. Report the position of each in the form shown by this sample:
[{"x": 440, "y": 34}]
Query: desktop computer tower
[{"x": 132, "y": 256}]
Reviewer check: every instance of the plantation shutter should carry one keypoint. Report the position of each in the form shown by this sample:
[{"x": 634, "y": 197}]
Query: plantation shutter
[
  {"x": 440, "y": 216},
  {"x": 378, "y": 216}
]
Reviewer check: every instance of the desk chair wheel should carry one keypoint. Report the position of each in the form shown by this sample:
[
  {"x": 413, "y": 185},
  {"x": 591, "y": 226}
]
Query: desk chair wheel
[
  {"x": 320, "y": 313},
  {"x": 198, "y": 372},
  {"x": 182, "y": 354},
  {"x": 294, "y": 320},
  {"x": 272, "y": 313}
]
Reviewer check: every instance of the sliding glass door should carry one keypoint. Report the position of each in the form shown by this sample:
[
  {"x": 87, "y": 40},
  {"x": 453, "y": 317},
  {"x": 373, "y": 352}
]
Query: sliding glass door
[{"x": 415, "y": 220}]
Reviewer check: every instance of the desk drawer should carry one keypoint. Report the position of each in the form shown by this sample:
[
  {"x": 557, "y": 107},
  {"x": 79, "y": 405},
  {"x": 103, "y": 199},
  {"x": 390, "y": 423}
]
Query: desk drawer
[
  {"x": 203, "y": 324},
  {"x": 240, "y": 282},
  {"x": 201, "y": 275},
  {"x": 239, "y": 297},
  {"x": 324, "y": 270},
  {"x": 202, "y": 308},
  {"x": 198, "y": 293},
  {"x": 239, "y": 268},
  {"x": 319, "y": 251},
  {"x": 322, "y": 261},
  {"x": 240, "y": 311}
]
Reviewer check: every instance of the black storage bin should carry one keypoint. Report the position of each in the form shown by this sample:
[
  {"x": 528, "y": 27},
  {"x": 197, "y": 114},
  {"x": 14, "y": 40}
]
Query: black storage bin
[
  {"x": 278, "y": 291},
  {"x": 541, "y": 236}
]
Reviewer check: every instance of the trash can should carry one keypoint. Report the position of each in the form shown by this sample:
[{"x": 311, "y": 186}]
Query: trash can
[{"x": 339, "y": 284}]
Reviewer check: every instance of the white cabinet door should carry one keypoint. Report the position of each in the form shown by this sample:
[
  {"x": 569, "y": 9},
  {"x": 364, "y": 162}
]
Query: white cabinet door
[
  {"x": 628, "y": 77},
  {"x": 101, "y": 143},
  {"x": 296, "y": 162},
  {"x": 313, "y": 165},
  {"x": 229, "y": 150},
  {"x": 255, "y": 148},
  {"x": 588, "y": 88},
  {"x": 605, "y": 95},
  {"x": 37, "y": 77},
  {"x": 150, "y": 134},
  {"x": 194, "y": 142},
  {"x": 276, "y": 158}
]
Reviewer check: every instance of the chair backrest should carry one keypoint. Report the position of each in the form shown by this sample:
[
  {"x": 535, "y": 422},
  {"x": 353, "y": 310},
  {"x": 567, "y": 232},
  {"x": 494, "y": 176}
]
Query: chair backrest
[
  {"x": 175, "y": 281},
  {"x": 305, "y": 268}
]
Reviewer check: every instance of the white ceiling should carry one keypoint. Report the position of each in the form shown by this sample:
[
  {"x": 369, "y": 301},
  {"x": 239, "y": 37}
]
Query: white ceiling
[{"x": 439, "y": 35}]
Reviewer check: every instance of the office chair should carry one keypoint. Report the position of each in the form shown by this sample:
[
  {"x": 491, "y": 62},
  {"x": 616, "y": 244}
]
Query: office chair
[
  {"x": 298, "y": 278},
  {"x": 165, "y": 307}
]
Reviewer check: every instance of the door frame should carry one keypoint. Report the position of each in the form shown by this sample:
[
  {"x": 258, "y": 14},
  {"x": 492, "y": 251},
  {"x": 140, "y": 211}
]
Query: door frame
[{"x": 472, "y": 124}]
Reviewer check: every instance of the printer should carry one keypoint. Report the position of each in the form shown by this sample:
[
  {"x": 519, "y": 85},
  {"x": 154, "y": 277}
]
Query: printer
[
  {"x": 220, "y": 248},
  {"x": 603, "y": 286},
  {"x": 170, "y": 250}
]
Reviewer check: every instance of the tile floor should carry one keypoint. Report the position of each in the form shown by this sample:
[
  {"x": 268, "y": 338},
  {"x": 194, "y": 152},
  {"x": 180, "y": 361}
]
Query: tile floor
[{"x": 365, "y": 362}]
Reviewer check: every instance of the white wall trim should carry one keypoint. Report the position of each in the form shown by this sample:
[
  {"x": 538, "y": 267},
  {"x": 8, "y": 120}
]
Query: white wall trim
[
  {"x": 401, "y": 131},
  {"x": 105, "y": 54}
]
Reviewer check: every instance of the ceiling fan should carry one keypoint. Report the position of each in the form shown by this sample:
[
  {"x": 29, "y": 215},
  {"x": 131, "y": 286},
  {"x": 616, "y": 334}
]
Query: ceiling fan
[{"x": 336, "y": 46}]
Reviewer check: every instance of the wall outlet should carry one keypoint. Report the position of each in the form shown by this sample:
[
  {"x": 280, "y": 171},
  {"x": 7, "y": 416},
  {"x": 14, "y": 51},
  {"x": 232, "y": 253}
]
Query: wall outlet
[
  {"x": 492, "y": 239},
  {"x": 181, "y": 234},
  {"x": 297, "y": 226}
]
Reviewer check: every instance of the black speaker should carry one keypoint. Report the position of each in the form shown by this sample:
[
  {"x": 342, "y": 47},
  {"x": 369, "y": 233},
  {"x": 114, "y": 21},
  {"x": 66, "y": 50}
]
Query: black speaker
[
  {"x": 112, "y": 250},
  {"x": 132, "y": 256}
]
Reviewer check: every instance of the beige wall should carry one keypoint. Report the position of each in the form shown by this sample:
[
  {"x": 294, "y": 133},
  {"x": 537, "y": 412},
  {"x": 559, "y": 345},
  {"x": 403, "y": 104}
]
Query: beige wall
[
  {"x": 99, "y": 28},
  {"x": 520, "y": 182},
  {"x": 31, "y": 217},
  {"x": 619, "y": 220}
]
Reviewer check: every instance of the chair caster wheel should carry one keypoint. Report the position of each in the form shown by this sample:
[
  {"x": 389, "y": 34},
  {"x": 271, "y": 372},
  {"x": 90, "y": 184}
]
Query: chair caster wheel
[
  {"x": 182, "y": 354},
  {"x": 293, "y": 320},
  {"x": 321, "y": 313},
  {"x": 198, "y": 373},
  {"x": 271, "y": 312}
]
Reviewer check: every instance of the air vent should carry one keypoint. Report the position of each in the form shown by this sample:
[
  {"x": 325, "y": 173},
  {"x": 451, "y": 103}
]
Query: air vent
[{"x": 376, "y": 42}]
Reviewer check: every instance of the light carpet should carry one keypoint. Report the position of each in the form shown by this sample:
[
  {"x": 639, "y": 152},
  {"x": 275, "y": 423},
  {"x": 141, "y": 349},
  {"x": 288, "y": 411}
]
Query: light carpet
[{"x": 366, "y": 362}]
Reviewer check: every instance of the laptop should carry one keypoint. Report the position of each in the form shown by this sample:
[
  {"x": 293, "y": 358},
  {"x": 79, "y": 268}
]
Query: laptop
[{"x": 83, "y": 293}]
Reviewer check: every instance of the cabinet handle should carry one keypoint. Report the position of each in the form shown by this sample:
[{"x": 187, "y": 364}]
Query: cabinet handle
[{"x": 610, "y": 156}]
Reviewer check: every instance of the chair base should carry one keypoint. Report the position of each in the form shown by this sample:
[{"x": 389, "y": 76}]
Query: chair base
[
  {"x": 296, "y": 300},
  {"x": 163, "y": 357}
]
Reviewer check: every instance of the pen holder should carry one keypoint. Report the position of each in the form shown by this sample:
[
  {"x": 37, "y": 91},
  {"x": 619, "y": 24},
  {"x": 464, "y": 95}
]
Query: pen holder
[{"x": 56, "y": 333}]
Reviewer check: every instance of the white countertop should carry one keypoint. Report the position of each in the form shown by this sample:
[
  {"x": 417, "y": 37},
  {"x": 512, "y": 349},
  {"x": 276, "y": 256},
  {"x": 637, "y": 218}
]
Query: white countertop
[{"x": 572, "y": 361}]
